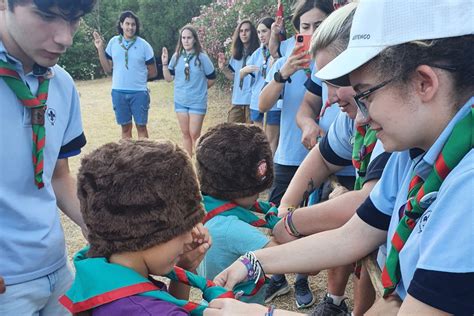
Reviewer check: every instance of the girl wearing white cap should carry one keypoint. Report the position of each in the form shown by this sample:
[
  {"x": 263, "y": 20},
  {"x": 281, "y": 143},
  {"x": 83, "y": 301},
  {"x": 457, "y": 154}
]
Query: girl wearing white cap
[{"x": 411, "y": 65}]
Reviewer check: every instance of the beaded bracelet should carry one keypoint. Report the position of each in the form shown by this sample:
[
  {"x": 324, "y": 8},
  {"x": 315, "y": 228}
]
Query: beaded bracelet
[{"x": 270, "y": 310}]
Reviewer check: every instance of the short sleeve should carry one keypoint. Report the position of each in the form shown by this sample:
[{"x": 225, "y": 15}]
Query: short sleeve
[
  {"x": 108, "y": 49},
  {"x": 233, "y": 64},
  {"x": 340, "y": 136},
  {"x": 171, "y": 64},
  {"x": 244, "y": 237},
  {"x": 74, "y": 138},
  {"x": 207, "y": 66},
  {"x": 149, "y": 54}
]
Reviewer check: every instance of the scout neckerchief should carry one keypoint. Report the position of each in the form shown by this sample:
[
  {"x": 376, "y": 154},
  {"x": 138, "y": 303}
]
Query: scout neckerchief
[
  {"x": 364, "y": 143},
  {"x": 187, "y": 60},
  {"x": 99, "y": 282},
  {"x": 37, "y": 105},
  {"x": 126, "y": 48},
  {"x": 215, "y": 207},
  {"x": 266, "y": 57},
  {"x": 244, "y": 63},
  {"x": 458, "y": 144}
]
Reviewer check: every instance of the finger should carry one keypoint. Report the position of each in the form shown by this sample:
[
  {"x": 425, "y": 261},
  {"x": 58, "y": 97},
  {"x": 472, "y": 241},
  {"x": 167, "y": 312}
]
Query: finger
[{"x": 96, "y": 35}]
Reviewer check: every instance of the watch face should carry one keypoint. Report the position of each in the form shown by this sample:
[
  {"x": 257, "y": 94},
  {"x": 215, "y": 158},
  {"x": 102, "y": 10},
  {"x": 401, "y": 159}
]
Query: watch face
[{"x": 277, "y": 77}]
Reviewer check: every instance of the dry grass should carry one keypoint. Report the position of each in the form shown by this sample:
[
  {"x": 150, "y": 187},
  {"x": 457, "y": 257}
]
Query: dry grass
[{"x": 100, "y": 128}]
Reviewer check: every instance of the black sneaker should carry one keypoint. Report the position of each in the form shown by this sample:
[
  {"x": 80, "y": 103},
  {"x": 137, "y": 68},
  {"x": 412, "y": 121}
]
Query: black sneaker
[
  {"x": 327, "y": 308},
  {"x": 275, "y": 289},
  {"x": 303, "y": 296}
]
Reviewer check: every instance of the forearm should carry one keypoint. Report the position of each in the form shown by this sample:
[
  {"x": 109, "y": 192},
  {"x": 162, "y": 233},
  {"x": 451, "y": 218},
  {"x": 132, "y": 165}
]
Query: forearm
[
  {"x": 152, "y": 71},
  {"x": 274, "y": 45},
  {"x": 312, "y": 172},
  {"x": 167, "y": 74},
  {"x": 354, "y": 240},
  {"x": 65, "y": 190},
  {"x": 179, "y": 290},
  {"x": 227, "y": 73},
  {"x": 210, "y": 83},
  {"x": 104, "y": 62},
  {"x": 328, "y": 215},
  {"x": 269, "y": 95},
  {"x": 307, "y": 113}
]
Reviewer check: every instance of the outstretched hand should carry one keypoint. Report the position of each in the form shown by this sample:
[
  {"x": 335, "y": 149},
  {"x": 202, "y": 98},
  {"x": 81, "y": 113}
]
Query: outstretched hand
[
  {"x": 98, "y": 41},
  {"x": 164, "y": 56},
  {"x": 228, "y": 306}
]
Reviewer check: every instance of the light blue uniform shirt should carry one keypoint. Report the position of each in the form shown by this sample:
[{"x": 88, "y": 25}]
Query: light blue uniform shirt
[
  {"x": 31, "y": 236},
  {"x": 139, "y": 55},
  {"x": 231, "y": 238},
  {"x": 240, "y": 96},
  {"x": 257, "y": 59},
  {"x": 290, "y": 151},
  {"x": 443, "y": 238},
  {"x": 287, "y": 46},
  {"x": 193, "y": 92}
]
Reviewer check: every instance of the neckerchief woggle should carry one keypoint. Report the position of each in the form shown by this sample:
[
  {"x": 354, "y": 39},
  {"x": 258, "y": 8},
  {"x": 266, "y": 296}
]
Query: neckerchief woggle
[
  {"x": 126, "y": 48},
  {"x": 458, "y": 145},
  {"x": 215, "y": 207},
  {"x": 99, "y": 282},
  {"x": 364, "y": 143},
  {"x": 187, "y": 60},
  {"x": 38, "y": 107}
]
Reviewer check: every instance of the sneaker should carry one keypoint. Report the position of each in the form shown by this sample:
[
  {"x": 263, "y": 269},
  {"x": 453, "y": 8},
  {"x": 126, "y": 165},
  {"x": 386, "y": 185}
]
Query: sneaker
[
  {"x": 303, "y": 295},
  {"x": 275, "y": 289},
  {"x": 327, "y": 308}
]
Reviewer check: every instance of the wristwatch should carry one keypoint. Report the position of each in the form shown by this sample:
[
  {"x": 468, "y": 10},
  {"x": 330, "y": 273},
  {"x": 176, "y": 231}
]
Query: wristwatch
[{"x": 279, "y": 78}]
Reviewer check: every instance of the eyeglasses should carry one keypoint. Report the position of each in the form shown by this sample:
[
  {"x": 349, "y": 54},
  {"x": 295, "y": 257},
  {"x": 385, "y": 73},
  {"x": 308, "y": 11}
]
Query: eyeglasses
[{"x": 358, "y": 98}]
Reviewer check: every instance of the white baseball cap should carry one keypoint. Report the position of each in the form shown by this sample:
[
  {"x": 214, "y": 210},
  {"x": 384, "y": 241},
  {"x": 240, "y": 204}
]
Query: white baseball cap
[{"x": 379, "y": 24}]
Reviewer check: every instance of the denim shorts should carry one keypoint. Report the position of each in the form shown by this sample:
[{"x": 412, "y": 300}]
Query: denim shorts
[
  {"x": 39, "y": 296},
  {"x": 273, "y": 117},
  {"x": 179, "y": 108},
  {"x": 131, "y": 104}
]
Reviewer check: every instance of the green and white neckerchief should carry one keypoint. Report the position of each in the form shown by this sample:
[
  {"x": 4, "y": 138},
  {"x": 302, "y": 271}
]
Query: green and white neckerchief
[
  {"x": 127, "y": 47},
  {"x": 266, "y": 57},
  {"x": 187, "y": 61},
  {"x": 458, "y": 145},
  {"x": 37, "y": 104}
]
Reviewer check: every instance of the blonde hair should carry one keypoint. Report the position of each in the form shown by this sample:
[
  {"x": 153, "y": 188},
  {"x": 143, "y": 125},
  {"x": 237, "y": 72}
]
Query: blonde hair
[{"x": 334, "y": 31}]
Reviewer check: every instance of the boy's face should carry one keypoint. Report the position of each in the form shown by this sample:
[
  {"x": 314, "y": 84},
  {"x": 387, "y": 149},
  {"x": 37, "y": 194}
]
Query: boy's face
[
  {"x": 161, "y": 258},
  {"x": 35, "y": 36}
]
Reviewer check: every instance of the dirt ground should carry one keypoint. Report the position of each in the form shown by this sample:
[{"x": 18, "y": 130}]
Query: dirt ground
[{"x": 100, "y": 128}]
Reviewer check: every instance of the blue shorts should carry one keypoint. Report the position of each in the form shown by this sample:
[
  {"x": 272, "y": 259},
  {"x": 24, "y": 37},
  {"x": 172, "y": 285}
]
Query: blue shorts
[
  {"x": 131, "y": 104},
  {"x": 273, "y": 117},
  {"x": 179, "y": 108}
]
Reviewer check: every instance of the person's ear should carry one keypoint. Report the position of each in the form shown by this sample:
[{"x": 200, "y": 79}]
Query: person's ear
[{"x": 426, "y": 82}]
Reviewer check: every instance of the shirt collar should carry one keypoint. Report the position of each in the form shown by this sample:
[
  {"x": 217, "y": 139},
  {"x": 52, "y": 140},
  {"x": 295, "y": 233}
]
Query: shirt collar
[{"x": 429, "y": 159}]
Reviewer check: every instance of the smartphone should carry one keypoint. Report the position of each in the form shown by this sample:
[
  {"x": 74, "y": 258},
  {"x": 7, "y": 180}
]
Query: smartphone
[{"x": 306, "y": 41}]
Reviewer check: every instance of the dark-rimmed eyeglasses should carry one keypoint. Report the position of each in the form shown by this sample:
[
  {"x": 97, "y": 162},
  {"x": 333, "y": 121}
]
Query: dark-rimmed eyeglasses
[{"x": 359, "y": 97}]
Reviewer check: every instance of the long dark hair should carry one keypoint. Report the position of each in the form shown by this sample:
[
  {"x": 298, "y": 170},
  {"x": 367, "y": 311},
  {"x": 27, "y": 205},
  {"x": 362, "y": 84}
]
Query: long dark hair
[
  {"x": 123, "y": 16},
  {"x": 71, "y": 9},
  {"x": 238, "y": 46},
  {"x": 197, "y": 44},
  {"x": 303, "y": 6}
]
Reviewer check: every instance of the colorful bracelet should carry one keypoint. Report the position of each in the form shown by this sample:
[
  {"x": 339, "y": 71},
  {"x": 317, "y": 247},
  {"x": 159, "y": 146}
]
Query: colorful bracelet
[
  {"x": 254, "y": 268},
  {"x": 291, "y": 225},
  {"x": 270, "y": 310}
]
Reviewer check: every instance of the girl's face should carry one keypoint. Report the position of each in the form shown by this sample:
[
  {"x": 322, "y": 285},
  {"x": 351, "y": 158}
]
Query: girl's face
[
  {"x": 188, "y": 40},
  {"x": 310, "y": 21},
  {"x": 394, "y": 112},
  {"x": 263, "y": 33},
  {"x": 344, "y": 96},
  {"x": 161, "y": 258},
  {"x": 244, "y": 33}
]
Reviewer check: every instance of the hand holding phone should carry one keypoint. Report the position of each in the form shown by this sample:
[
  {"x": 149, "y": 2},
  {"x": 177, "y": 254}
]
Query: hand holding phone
[{"x": 305, "y": 41}]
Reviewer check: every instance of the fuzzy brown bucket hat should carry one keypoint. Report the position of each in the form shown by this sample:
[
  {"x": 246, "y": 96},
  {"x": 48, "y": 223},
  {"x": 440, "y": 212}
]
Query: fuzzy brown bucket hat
[
  {"x": 136, "y": 194},
  {"x": 234, "y": 161}
]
